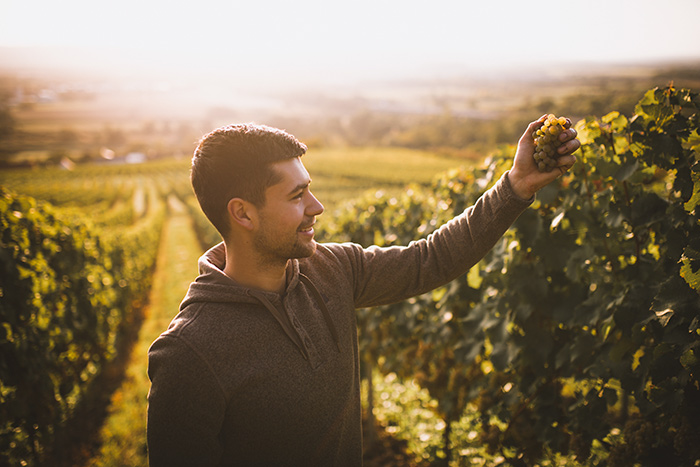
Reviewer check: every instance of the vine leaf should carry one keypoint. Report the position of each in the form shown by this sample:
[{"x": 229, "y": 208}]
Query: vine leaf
[
  {"x": 690, "y": 267},
  {"x": 626, "y": 169},
  {"x": 695, "y": 198}
]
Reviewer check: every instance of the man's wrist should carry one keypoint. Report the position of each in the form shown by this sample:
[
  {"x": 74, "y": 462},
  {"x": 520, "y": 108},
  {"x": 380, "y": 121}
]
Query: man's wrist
[{"x": 520, "y": 187}]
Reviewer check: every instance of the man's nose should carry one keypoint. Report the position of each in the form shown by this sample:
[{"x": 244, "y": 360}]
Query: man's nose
[{"x": 315, "y": 208}]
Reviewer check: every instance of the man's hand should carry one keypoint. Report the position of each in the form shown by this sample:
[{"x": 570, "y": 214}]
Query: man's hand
[{"x": 524, "y": 177}]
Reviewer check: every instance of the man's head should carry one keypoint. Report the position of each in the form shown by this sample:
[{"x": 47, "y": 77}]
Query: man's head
[{"x": 235, "y": 161}]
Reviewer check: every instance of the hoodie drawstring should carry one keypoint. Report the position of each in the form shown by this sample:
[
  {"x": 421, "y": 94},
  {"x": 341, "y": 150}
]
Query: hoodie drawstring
[
  {"x": 285, "y": 323},
  {"x": 278, "y": 316},
  {"x": 322, "y": 303}
]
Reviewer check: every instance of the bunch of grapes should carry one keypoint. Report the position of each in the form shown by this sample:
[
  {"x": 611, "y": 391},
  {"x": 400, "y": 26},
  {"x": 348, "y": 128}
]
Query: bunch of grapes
[
  {"x": 639, "y": 435},
  {"x": 621, "y": 455},
  {"x": 547, "y": 142},
  {"x": 687, "y": 439},
  {"x": 580, "y": 447}
]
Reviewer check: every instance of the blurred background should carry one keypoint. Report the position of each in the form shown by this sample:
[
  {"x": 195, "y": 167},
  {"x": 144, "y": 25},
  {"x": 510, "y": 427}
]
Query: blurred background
[{"x": 83, "y": 78}]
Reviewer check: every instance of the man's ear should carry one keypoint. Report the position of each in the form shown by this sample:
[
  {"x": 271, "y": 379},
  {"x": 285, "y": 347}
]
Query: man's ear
[{"x": 241, "y": 213}]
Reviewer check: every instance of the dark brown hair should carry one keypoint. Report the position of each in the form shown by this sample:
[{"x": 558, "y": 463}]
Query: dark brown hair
[{"x": 234, "y": 161}]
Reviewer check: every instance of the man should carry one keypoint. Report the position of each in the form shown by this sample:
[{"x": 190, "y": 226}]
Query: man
[{"x": 261, "y": 365}]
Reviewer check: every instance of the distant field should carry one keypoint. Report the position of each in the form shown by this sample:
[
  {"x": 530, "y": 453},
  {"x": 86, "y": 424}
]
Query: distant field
[
  {"x": 338, "y": 174},
  {"x": 342, "y": 174},
  {"x": 82, "y": 115}
]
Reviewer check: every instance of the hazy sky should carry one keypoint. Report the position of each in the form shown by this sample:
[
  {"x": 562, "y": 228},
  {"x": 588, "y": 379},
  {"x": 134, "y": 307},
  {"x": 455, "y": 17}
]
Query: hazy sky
[{"x": 302, "y": 39}]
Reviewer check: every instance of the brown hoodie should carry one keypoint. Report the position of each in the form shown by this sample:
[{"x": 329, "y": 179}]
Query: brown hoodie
[{"x": 247, "y": 377}]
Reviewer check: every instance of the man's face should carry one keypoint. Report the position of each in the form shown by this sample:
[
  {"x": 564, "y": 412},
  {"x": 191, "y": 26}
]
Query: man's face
[{"x": 286, "y": 220}]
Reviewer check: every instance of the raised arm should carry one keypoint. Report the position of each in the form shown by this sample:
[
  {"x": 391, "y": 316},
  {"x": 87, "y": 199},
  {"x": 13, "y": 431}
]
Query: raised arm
[{"x": 385, "y": 275}]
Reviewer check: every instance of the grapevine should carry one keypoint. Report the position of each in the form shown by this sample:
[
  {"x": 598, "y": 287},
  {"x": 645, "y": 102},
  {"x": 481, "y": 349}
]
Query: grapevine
[
  {"x": 594, "y": 290},
  {"x": 68, "y": 285}
]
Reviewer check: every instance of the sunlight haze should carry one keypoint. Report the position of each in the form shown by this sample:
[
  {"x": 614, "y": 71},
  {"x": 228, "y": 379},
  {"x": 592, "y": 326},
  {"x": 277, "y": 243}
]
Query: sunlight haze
[{"x": 307, "y": 41}]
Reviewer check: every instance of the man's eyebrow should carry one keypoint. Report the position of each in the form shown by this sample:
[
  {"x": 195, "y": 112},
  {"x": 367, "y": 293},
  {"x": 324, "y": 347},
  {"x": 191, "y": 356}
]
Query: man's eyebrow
[{"x": 300, "y": 187}]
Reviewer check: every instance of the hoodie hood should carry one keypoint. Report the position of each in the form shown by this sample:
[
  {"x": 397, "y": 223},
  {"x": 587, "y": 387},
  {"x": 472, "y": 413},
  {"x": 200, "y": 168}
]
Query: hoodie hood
[{"x": 213, "y": 286}]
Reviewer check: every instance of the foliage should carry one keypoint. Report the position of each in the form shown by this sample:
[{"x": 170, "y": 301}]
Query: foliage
[
  {"x": 596, "y": 300},
  {"x": 578, "y": 333},
  {"x": 68, "y": 291}
]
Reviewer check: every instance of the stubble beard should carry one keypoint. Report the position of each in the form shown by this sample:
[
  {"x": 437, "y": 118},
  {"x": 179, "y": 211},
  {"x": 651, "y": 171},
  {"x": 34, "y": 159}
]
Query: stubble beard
[{"x": 276, "y": 251}]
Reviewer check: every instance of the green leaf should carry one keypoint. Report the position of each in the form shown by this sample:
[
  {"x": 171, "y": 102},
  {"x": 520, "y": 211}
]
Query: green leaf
[
  {"x": 588, "y": 130},
  {"x": 626, "y": 169},
  {"x": 610, "y": 116},
  {"x": 619, "y": 123},
  {"x": 529, "y": 226},
  {"x": 665, "y": 363},
  {"x": 695, "y": 197},
  {"x": 670, "y": 296},
  {"x": 503, "y": 355},
  {"x": 689, "y": 360},
  {"x": 690, "y": 268},
  {"x": 684, "y": 183},
  {"x": 653, "y": 109}
]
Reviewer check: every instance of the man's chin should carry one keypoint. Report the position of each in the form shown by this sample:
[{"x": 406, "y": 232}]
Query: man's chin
[
  {"x": 306, "y": 251},
  {"x": 312, "y": 248}
]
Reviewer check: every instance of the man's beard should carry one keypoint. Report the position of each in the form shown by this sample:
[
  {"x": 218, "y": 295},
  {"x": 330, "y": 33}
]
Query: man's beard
[{"x": 275, "y": 250}]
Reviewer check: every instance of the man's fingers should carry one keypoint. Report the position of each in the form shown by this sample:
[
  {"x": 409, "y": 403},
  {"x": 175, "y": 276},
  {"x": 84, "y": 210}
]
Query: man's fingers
[
  {"x": 533, "y": 126},
  {"x": 566, "y": 162},
  {"x": 567, "y": 135},
  {"x": 569, "y": 146}
]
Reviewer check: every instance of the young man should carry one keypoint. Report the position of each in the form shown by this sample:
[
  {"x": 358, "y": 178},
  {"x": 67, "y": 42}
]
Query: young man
[{"x": 261, "y": 365}]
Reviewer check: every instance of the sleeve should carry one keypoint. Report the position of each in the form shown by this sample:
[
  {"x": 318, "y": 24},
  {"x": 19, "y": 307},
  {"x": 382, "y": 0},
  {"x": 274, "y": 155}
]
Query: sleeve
[
  {"x": 391, "y": 274},
  {"x": 186, "y": 406}
]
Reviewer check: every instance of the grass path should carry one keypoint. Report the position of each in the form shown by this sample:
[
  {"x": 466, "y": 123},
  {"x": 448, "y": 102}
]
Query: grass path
[{"x": 124, "y": 431}]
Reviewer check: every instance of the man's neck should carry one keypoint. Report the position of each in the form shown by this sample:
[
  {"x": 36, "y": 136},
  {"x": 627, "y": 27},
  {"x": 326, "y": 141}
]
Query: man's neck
[{"x": 251, "y": 273}]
